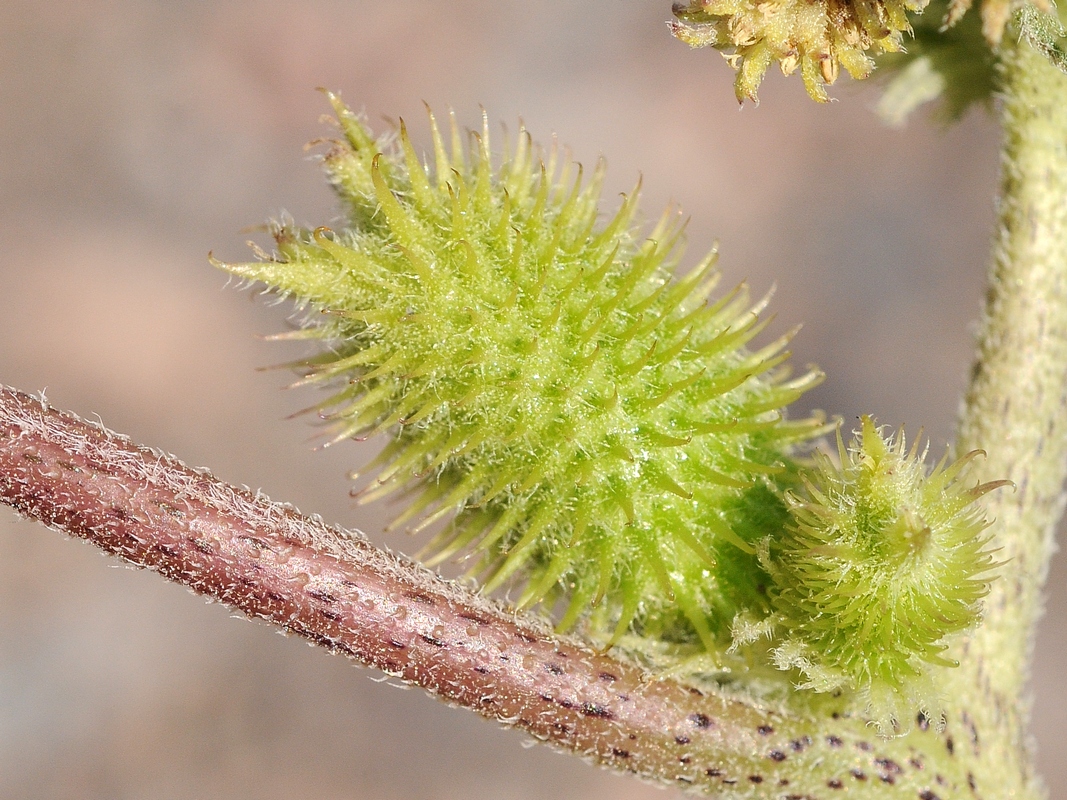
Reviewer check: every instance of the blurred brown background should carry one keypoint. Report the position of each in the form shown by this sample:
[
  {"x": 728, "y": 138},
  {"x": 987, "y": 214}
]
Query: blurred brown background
[{"x": 137, "y": 136}]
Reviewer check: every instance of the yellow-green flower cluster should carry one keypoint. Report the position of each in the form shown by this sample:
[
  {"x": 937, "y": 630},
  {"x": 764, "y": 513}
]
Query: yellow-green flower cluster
[{"x": 818, "y": 37}]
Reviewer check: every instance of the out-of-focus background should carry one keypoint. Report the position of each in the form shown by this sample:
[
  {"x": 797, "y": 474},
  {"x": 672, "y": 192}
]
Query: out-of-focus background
[{"x": 137, "y": 136}]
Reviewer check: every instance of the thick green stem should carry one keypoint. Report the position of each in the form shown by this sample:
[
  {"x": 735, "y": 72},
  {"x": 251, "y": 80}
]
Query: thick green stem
[{"x": 1016, "y": 410}]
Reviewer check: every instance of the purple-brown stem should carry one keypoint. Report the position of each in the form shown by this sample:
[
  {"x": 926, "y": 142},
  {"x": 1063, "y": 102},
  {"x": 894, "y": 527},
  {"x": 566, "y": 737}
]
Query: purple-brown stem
[{"x": 334, "y": 588}]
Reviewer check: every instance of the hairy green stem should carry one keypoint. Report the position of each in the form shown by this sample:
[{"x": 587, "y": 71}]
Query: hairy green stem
[{"x": 1016, "y": 410}]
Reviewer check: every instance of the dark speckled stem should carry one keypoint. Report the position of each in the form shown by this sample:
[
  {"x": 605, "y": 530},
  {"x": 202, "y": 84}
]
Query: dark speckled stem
[{"x": 334, "y": 588}]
